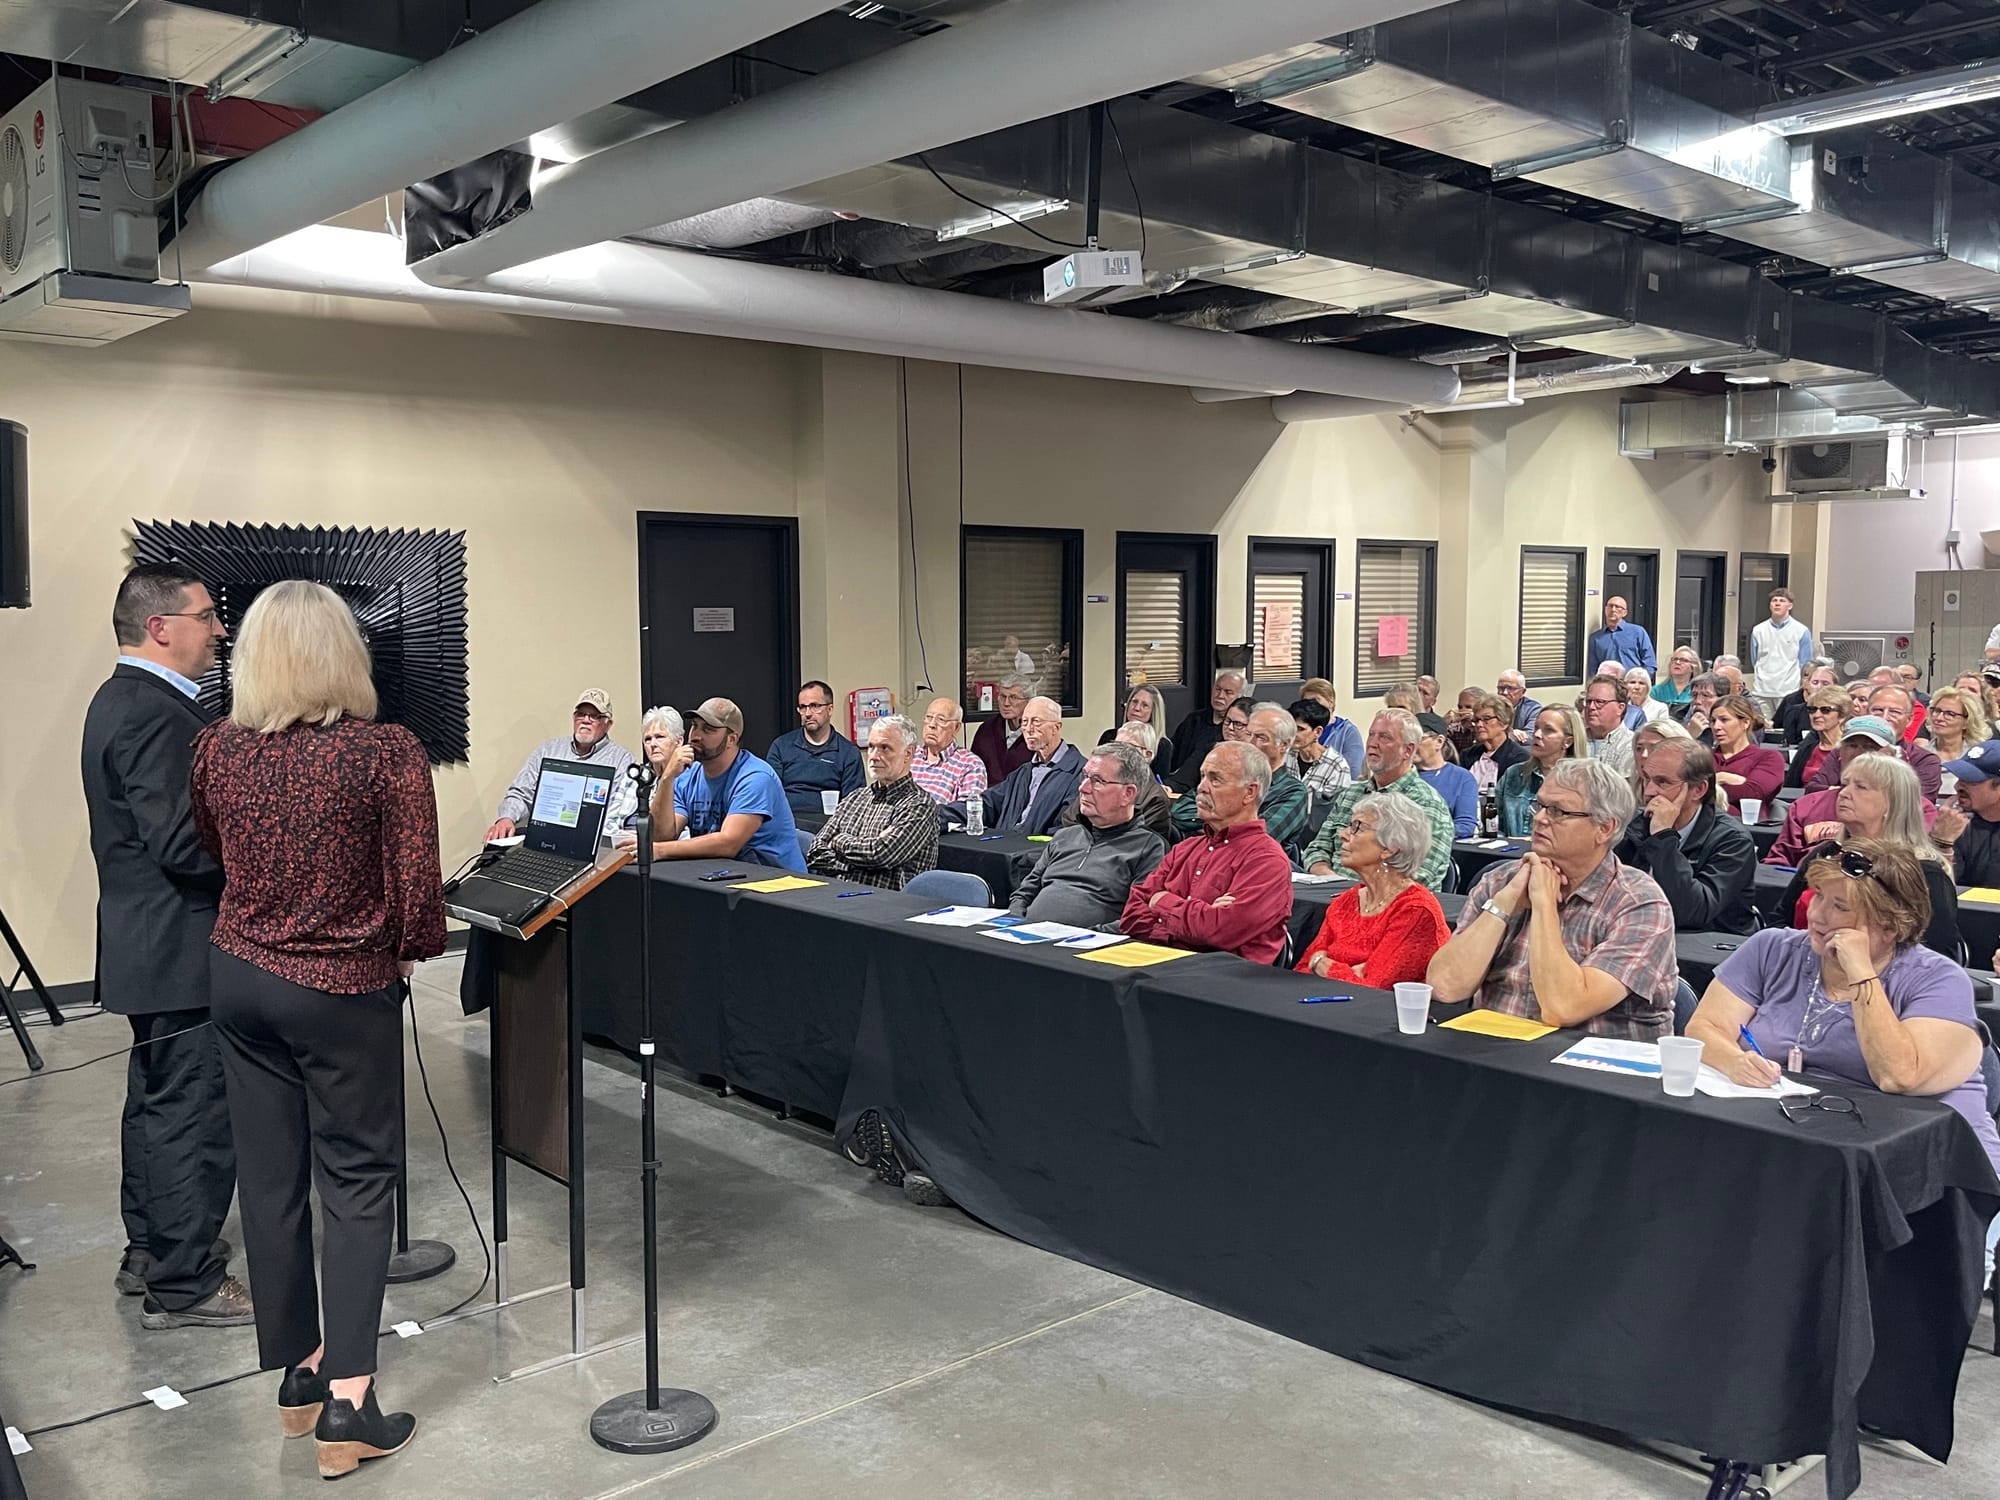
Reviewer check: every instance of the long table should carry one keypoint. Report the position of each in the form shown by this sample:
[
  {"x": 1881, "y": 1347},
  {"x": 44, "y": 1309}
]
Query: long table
[
  {"x": 1002, "y": 860},
  {"x": 1448, "y": 1207}
]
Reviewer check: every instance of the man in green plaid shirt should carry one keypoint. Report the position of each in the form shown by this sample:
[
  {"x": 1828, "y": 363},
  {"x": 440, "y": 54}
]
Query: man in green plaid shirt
[{"x": 1391, "y": 756}]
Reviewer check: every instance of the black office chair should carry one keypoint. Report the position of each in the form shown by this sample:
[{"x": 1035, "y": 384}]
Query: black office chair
[
  {"x": 1454, "y": 879},
  {"x": 1685, "y": 1000}
]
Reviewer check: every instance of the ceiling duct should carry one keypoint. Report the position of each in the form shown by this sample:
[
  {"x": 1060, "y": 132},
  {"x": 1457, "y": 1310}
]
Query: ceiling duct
[
  {"x": 1487, "y": 386},
  {"x": 1742, "y": 421}
]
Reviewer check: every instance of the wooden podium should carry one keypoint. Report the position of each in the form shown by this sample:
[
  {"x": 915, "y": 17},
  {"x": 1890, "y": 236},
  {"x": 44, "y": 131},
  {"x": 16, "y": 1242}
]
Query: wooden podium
[{"x": 536, "y": 1065}]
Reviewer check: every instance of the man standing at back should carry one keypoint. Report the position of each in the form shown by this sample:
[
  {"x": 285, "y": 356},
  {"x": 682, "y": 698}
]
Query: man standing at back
[
  {"x": 157, "y": 891},
  {"x": 1621, "y": 641},
  {"x": 815, "y": 759},
  {"x": 1781, "y": 650}
]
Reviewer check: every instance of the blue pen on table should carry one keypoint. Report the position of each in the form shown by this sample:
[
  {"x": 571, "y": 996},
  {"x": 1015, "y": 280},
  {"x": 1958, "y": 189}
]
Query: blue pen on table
[
  {"x": 849, "y": 895},
  {"x": 1322, "y": 999}
]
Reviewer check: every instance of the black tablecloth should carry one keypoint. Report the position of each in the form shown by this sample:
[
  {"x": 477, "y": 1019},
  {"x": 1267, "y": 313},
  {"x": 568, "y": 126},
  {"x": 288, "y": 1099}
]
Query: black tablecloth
[
  {"x": 1699, "y": 954},
  {"x": 1979, "y": 925},
  {"x": 1473, "y": 860},
  {"x": 1002, "y": 860}
]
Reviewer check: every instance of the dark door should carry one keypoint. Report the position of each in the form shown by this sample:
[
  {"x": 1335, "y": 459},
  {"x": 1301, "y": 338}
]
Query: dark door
[
  {"x": 1166, "y": 617},
  {"x": 1291, "y": 614},
  {"x": 1635, "y": 578},
  {"x": 719, "y": 618},
  {"x": 1698, "y": 597},
  {"x": 1760, "y": 573}
]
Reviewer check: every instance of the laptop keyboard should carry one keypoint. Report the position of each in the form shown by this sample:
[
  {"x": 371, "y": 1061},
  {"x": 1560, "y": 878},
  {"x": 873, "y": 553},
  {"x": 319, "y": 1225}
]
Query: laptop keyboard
[{"x": 534, "y": 867}]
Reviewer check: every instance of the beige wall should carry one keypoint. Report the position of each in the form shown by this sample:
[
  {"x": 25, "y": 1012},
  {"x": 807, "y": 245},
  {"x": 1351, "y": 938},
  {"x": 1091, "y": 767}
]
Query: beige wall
[{"x": 541, "y": 440}]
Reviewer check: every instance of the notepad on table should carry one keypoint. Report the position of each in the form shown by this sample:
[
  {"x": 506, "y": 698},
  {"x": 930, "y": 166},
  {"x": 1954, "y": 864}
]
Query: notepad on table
[
  {"x": 781, "y": 883},
  {"x": 1135, "y": 955},
  {"x": 1497, "y": 1023},
  {"x": 959, "y": 916},
  {"x": 1986, "y": 893}
]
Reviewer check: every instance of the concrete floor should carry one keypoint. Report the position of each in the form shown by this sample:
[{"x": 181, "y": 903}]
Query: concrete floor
[{"x": 855, "y": 1345}]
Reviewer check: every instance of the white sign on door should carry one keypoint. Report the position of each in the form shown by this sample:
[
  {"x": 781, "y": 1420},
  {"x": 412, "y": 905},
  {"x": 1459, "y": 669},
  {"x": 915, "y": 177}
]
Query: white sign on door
[{"x": 715, "y": 621}]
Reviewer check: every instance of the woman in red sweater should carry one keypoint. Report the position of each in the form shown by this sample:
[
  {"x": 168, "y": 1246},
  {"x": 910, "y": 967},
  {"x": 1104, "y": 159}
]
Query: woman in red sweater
[
  {"x": 1385, "y": 929},
  {"x": 326, "y": 827},
  {"x": 1744, "y": 768}
]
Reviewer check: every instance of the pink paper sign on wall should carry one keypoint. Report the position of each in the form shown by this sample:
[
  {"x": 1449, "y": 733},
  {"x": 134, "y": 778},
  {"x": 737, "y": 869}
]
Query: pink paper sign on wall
[{"x": 1392, "y": 635}]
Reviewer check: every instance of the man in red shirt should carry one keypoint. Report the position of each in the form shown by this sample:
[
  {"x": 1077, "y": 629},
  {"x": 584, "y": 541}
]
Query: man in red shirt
[{"x": 1229, "y": 889}]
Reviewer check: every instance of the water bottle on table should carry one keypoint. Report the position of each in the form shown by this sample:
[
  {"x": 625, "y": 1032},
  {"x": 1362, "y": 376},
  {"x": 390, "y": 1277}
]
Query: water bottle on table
[{"x": 975, "y": 815}]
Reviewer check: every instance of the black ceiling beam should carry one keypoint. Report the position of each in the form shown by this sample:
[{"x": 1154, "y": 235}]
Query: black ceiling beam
[{"x": 1901, "y": 39}]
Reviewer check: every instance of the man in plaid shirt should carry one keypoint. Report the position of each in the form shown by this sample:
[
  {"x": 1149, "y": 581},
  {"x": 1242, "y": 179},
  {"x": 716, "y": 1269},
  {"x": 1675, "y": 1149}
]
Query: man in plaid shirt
[
  {"x": 941, "y": 766},
  {"x": 888, "y": 830},
  {"x": 1566, "y": 934}
]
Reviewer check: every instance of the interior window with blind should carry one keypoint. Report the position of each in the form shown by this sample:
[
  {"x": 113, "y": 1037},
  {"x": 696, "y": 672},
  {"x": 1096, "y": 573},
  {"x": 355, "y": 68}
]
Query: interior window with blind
[
  {"x": 1156, "y": 628},
  {"x": 1551, "y": 649},
  {"x": 1022, "y": 613},
  {"x": 1395, "y": 622},
  {"x": 1278, "y": 626}
]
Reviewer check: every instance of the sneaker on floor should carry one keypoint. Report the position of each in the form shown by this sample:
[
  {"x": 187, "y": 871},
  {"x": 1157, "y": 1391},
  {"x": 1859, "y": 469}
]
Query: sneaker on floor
[
  {"x": 228, "y": 1306},
  {"x": 872, "y": 1147},
  {"x": 924, "y": 1191},
  {"x": 137, "y": 1263}
]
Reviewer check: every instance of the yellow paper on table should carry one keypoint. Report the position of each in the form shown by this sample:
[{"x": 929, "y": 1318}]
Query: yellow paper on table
[
  {"x": 781, "y": 883},
  {"x": 1497, "y": 1023},
  {"x": 1986, "y": 893},
  {"x": 1135, "y": 955}
]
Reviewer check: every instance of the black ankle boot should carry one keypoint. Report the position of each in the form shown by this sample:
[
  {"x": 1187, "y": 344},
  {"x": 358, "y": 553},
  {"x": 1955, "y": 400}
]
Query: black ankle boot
[
  {"x": 348, "y": 1436},
  {"x": 301, "y": 1394}
]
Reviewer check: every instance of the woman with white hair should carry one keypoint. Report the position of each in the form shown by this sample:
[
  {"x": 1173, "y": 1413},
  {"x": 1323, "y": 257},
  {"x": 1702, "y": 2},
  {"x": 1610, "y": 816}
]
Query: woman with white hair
[
  {"x": 1384, "y": 931},
  {"x": 663, "y": 741},
  {"x": 1641, "y": 707}
]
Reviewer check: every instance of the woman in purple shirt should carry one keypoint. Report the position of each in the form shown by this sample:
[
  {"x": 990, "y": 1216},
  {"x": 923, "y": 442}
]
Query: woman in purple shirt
[{"x": 1855, "y": 994}]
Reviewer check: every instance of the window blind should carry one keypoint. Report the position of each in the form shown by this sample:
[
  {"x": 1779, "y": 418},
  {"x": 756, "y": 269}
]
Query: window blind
[
  {"x": 1279, "y": 597},
  {"x": 1014, "y": 587},
  {"x": 1390, "y": 579},
  {"x": 1156, "y": 628},
  {"x": 1551, "y": 606}
]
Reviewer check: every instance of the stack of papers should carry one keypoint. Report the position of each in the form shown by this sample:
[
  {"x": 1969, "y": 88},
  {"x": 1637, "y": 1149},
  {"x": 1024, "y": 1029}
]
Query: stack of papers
[
  {"x": 1303, "y": 877},
  {"x": 960, "y": 916},
  {"x": 1609, "y": 1055},
  {"x": 781, "y": 883},
  {"x": 1716, "y": 1086},
  {"x": 1135, "y": 955},
  {"x": 1498, "y": 1023}
]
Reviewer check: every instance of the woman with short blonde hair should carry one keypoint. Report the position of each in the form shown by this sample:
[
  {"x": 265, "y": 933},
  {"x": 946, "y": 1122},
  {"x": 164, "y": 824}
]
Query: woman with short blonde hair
[{"x": 325, "y": 824}]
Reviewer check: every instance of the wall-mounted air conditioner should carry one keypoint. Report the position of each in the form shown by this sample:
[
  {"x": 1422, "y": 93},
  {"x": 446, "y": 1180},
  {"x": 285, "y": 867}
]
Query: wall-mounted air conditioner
[
  {"x": 1858, "y": 655},
  {"x": 79, "y": 238},
  {"x": 1829, "y": 466}
]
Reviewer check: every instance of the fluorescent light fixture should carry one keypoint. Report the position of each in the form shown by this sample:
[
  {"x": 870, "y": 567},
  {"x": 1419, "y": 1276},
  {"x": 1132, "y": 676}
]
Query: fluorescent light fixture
[
  {"x": 1015, "y": 213},
  {"x": 863, "y": 12},
  {"x": 1482, "y": 405},
  {"x": 1940, "y": 89},
  {"x": 1746, "y": 379}
]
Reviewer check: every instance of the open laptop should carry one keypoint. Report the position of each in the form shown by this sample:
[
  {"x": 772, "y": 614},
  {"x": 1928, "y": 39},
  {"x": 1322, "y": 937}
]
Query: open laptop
[{"x": 559, "y": 843}]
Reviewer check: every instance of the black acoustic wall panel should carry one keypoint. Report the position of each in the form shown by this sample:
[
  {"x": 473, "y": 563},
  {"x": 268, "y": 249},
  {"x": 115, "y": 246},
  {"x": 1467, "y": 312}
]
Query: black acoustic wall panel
[
  {"x": 407, "y": 588},
  {"x": 13, "y": 516}
]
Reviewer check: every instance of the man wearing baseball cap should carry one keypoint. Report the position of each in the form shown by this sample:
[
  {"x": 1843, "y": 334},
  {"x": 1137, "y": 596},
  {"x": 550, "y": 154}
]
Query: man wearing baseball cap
[
  {"x": 1812, "y": 819},
  {"x": 1972, "y": 829},
  {"x": 589, "y": 739},
  {"x": 730, "y": 804}
]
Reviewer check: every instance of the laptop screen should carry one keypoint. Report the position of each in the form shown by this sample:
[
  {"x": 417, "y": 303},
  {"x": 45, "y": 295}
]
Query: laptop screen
[{"x": 568, "y": 815}]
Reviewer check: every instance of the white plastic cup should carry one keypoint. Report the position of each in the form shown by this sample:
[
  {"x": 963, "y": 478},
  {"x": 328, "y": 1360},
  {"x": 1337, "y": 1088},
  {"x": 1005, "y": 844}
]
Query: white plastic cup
[
  {"x": 1413, "y": 1008},
  {"x": 1680, "y": 1064},
  {"x": 829, "y": 802},
  {"x": 1753, "y": 810}
]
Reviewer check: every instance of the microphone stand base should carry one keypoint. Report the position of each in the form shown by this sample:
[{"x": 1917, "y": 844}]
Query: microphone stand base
[
  {"x": 625, "y": 1424},
  {"x": 423, "y": 1260}
]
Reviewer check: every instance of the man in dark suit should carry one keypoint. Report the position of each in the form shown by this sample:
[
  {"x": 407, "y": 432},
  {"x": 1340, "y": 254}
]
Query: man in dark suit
[
  {"x": 1704, "y": 861},
  {"x": 1032, "y": 798},
  {"x": 157, "y": 890}
]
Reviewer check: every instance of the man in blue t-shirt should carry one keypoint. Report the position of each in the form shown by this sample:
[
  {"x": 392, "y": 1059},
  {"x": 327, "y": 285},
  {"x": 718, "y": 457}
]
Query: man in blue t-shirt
[{"x": 730, "y": 803}]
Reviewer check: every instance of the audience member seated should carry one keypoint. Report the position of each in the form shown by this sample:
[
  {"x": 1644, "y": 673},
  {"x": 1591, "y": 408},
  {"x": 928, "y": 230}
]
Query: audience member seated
[
  {"x": 1512, "y": 689},
  {"x": 1891, "y": 706},
  {"x": 945, "y": 769},
  {"x": 1495, "y": 749},
  {"x": 1000, "y": 743},
  {"x": 1391, "y": 761},
  {"x": 1559, "y": 735},
  {"x": 589, "y": 739},
  {"x": 1641, "y": 707},
  {"x": 1910, "y": 680},
  {"x": 1341, "y": 736},
  {"x": 1091, "y": 865},
  {"x": 1284, "y": 805},
  {"x": 1971, "y": 825},
  {"x": 1677, "y": 686},
  {"x": 1230, "y": 888},
  {"x": 1793, "y": 719},
  {"x": 887, "y": 832},
  {"x": 1810, "y": 819},
  {"x": 1853, "y": 994},
  {"x": 1145, "y": 705},
  {"x": 1384, "y": 931},
  {"x": 663, "y": 741},
  {"x": 1458, "y": 725},
  {"x": 1744, "y": 768},
  {"x": 1827, "y": 711},
  {"x": 1180, "y": 782},
  {"x": 1912, "y": 724},
  {"x": 1957, "y": 722},
  {"x": 1878, "y": 799},
  {"x": 729, "y": 803},
  {"x": 1730, "y": 670},
  {"x": 1705, "y": 863},
  {"x": 1696, "y": 714},
  {"x": 1566, "y": 934},
  {"x": 1324, "y": 771},
  {"x": 1154, "y": 808},
  {"x": 1451, "y": 781},
  {"x": 1427, "y": 689},
  {"x": 1608, "y": 739},
  {"x": 1032, "y": 799},
  {"x": 1407, "y": 696},
  {"x": 1857, "y": 695},
  {"x": 1201, "y": 730},
  {"x": 815, "y": 759}
]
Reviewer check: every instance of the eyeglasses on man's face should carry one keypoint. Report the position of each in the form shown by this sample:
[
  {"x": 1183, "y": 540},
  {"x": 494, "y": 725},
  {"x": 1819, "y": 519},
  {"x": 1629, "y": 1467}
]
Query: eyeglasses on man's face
[
  {"x": 1543, "y": 809},
  {"x": 1092, "y": 779},
  {"x": 206, "y": 616}
]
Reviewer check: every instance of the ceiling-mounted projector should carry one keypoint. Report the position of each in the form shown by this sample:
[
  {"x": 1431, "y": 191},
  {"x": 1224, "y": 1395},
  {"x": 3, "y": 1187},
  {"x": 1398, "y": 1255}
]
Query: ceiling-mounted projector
[{"x": 1089, "y": 275}]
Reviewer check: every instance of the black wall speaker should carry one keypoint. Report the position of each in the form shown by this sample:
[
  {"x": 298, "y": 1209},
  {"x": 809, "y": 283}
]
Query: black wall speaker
[{"x": 13, "y": 516}]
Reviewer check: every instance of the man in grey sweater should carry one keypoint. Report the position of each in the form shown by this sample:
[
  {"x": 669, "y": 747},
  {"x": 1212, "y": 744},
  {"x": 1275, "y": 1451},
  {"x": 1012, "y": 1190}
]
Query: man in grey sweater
[{"x": 1090, "y": 867}]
